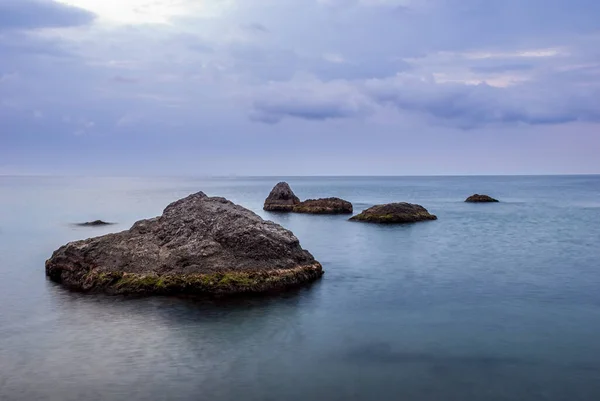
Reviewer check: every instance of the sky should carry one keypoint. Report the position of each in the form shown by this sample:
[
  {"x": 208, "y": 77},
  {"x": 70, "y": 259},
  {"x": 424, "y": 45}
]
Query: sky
[{"x": 299, "y": 87}]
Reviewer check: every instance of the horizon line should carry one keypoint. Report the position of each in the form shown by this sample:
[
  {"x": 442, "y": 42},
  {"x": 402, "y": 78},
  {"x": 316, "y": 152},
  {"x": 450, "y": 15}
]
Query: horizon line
[{"x": 229, "y": 176}]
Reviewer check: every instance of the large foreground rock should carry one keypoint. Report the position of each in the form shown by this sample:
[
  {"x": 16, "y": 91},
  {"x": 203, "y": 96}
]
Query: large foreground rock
[
  {"x": 324, "y": 206},
  {"x": 481, "y": 199},
  {"x": 394, "y": 213},
  {"x": 281, "y": 199},
  {"x": 199, "y": 245}
]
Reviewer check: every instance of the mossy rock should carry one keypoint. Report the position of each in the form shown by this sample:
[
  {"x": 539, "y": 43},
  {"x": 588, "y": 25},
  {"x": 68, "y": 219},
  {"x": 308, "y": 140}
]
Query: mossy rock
[
  {"x": 119, "y": 283},
  {"x": 477, "y": 198},
  {"x": 394, "y": 213},
  {"x": 199, "y": 245},
  {"x": 324, "y": 206}
]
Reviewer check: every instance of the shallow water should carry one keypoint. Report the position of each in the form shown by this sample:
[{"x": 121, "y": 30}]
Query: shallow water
[{"x": 494, "y": 302}]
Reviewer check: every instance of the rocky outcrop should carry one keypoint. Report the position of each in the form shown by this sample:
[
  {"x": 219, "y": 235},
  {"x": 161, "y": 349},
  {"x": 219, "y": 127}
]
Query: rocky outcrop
[
  {"x": 281, "y": 199},
  {"x": 393, "y": 213},
  {"x": 480, "y": 199},
  {"x": 324, "y": 206},
  {"x": 199, "y": 245},
  {"x": 94, "y": 223}
]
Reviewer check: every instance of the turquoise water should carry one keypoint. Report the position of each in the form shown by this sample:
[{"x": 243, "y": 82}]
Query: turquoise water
[{"x": 490, "y": 302}]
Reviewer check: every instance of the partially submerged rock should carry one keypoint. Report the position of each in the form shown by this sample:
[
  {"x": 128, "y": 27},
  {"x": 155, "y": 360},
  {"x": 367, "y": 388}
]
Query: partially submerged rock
[
  {"x": 94, "y": 223},
  {"x": 324, "y": 206},
  {"x": 200, "y": 245},
  {"x": 480, "y": 199},
  {"x": 392, "y": 213},
  {"x": 281, "y": 199}
]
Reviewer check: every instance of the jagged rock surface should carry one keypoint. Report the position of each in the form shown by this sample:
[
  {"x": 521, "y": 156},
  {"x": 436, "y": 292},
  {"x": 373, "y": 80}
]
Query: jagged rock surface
[
  {"x": 198, "y": 245},
  {"x": 281, "y": 199},
  {"x": 394, "y": 213}
]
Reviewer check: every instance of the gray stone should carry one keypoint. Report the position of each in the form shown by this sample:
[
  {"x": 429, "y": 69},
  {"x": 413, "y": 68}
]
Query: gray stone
[
  {"x": 199, "y": 245},
  {"x": 281, "y": 199},
  {"x": 324, "y": 206},
  {"x": 94, "y": 223},
  {"x": 481, "y": 199},
  {"x": 394, "y": 213}
]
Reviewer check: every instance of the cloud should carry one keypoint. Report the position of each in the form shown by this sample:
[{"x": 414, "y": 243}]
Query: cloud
[
  {"x": 34, "y": 14},
  {"x": 437, "y": 73},
  {"x": 214, "y": 71},
  {"x": 372, "y": 3},
  {"x": 334, "y": 58},
  {"x": 502, "y": 68},
  {"x": 532, "y": 53},
  {"x": 255, "y": 27},
  {"x": 150, "y": 12},
  {"x": 119, "y": 79},
  {"x": 9, "y": 76},
  {"x": 551, "y": 99},
  {"x": 308, "y": 98},
  {"x": 469, "y": 106}
]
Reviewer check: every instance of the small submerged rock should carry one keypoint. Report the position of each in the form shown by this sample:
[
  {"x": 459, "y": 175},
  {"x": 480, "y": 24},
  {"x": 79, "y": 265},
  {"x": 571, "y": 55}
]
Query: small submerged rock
[
  {"x": 394, "y": 213},
  {"x": 480, "y": 199},
  {"x": 199, "y": 245},
  {"x": 281, "y": 199},
  {"x": 324, "y": 206},
  {"x": 94, "y": 223}
]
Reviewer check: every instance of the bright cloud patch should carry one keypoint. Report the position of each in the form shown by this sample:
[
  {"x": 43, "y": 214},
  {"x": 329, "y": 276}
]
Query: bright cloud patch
[{"x": 143, "y": 11}]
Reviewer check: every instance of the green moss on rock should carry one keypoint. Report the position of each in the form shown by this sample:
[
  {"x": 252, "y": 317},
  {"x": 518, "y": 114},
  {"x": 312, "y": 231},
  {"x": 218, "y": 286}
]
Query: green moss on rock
[
  {"x": 208, "y": 245},
  {"x": 324, "y": 206},
  {"x": 394, "y": 213},
  {"x": 200, "y": 284},
  {"x": 477, "y": 198}
]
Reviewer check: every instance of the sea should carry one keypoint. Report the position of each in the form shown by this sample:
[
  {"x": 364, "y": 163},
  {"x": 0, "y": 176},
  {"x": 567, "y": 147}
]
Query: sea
[{"x": 489, "y": 302}]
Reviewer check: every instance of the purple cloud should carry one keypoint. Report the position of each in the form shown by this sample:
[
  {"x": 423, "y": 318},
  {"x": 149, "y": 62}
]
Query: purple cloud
[{"x": 246, "y": 72}]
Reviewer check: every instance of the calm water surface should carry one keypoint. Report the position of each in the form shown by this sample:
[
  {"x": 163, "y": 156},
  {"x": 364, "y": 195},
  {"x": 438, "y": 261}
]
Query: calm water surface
[{"x": 490, "y": 302}]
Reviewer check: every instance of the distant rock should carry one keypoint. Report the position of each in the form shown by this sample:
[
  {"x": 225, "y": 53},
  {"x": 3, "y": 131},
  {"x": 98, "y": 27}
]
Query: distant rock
[
  {"x": 324, "y": 206},
  {"x": 94, "y": 223},
  {"x": 281, "y": 199},
  {"x": 394, "y": 213},
  {"x": 480, "y": 199},
  {"x": 199, "y": 245}
]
